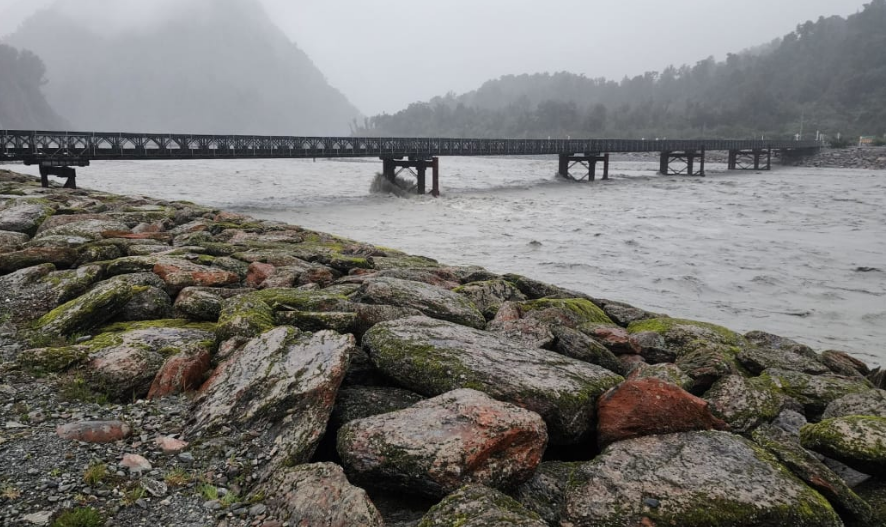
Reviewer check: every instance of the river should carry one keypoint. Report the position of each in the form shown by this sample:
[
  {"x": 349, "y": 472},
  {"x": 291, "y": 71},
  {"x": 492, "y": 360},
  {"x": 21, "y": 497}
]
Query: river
[{"x": 799, "y": 252}]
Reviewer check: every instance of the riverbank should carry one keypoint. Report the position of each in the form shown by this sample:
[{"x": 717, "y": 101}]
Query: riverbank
[{"x": 170, "y": 364}]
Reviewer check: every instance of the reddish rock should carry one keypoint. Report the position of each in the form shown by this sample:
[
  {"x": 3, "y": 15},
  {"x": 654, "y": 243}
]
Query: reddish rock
[
  {"x": 185, "y": 274},
  {"x": 180, "y": 373},
  {"x": 617, "y": 340},
  {"x": 649, "y": 407},
  {"x": 316, "y": 275},
  {"x": 135, "y": 463},
  {"x": 94, "y": 431},
  {"x": 170, "y": 445},
  {"x": 460, "y": 437},
  {"x": 258, "y": 272}
]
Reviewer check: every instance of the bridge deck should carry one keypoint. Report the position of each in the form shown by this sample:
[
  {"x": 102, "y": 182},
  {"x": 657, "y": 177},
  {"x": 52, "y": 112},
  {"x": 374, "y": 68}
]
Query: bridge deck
[{"x": 77, "y": 148}]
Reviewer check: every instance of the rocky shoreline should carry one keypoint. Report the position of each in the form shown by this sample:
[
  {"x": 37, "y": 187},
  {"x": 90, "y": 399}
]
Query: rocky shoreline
[{"x": 163, "y": 363}]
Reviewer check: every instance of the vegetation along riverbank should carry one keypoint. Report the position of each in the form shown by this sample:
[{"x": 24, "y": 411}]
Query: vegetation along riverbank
[{"x": 164, "y": 363}]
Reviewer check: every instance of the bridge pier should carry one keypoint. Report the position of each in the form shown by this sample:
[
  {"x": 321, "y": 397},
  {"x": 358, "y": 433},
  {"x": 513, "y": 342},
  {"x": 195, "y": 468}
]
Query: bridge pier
[
  {"x": 392, "y": 166},
  {"x": 589, "y": 161},
  {"x": 686, "y": 163},
  {"x": 750, "y": 159}
]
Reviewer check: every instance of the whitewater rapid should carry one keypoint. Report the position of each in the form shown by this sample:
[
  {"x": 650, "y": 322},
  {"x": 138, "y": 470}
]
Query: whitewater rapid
[{"x": 799, "y": 252}]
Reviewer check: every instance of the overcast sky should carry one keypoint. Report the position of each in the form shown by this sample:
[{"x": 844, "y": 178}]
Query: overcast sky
[{"x": 385, "y": 54}]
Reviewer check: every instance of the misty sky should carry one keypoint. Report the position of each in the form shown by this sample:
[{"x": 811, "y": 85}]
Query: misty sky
[{"x": 384, "y": 54}]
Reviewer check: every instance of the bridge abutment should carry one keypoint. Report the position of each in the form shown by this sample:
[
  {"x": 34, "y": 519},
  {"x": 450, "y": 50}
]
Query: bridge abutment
[
  {"x": 756, "y": 159},
  {"x": 682, "y": 163},
  {"x": 588, "y": 161}
]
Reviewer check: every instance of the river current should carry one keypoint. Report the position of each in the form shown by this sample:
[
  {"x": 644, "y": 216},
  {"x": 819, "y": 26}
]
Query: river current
[{"x": 798, "y": 252}]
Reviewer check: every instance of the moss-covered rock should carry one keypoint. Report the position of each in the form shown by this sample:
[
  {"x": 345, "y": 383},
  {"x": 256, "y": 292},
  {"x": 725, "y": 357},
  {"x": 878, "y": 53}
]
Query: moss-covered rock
[
  {"x": 858, "y": 441},
  {"x": 478, "y": 506},
  {"x": 694, "y": 479},
  {"x": 682, "y": 335},
  {"x": 433, "y": 301},
  {"x": 94, "y": 308},
  {"x": 813, "y": 472},
  {"x": 756, "y": 360},
  {"x": 244, "y": 316},
  {"x": 870, "y": 402},
  {"x": 873, "y": 492},
  {"x": 404, "y": 262},
  {"x": 282, "y": 384},
  {"x": 61, "y": 257},
  {"x": 534, "y": 289},
  {"x": 432, "y": 357},
  {"x": 814, "y": 392},
  {"x": 150, "y": 304},
  {"x": 575, "y": 344},
  {"x": 668, "y": 373},
  {"x": 318, "y": 321},
  {"x": 624, "y": 314},
  {"x": 582, "y": 310},
  {"x": 489, "y": 296},
  {"x": 707, "y": 363},
  {"x": 24, "y": 215},
  {"x": 545, "y": 493},
  {"x": 744, "y": 403}
]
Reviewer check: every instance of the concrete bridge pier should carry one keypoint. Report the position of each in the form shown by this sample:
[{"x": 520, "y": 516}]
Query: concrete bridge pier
[
  {"x": 63, "y": 168},
  {"x": 392, "y": 166},
  {"x": 750, "y": 159},
  {"x": 682, "y": 163},
  {"x": 588, "y": 161}
]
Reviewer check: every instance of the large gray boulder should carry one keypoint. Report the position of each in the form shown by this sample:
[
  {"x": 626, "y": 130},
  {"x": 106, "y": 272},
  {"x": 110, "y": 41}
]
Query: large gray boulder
[
  {"x": 814, "y": 392},
  {"x": 436, "y": 446},
  {"x": 694, "y": 479},
  {"x": 318, "y": 494},
  {"x": 433, "y": 301},
  {"x": 432, "y": 357},
  {"x": 859, "y": 441},
  {"x": 744, "y": 403},
  {"x": 283, "y": 383},
  {"x": 24, "y": 216},
  {"x": 478, "y": 506},
  {"x": 871, "y": 402}
]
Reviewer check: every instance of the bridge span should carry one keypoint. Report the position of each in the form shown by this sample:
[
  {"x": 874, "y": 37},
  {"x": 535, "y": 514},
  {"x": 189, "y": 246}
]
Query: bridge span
[{"x": 58, "y": 153}]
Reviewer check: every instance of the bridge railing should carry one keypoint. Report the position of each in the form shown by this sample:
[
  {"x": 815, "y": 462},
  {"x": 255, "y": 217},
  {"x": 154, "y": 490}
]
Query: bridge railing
[{"x": 36, "y": 146}]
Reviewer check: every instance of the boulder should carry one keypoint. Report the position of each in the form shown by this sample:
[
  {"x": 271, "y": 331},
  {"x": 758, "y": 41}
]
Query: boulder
[
  {"x": 478, "y": 506},
  {"x": 94, "y": 431},
  {"x": 871, "y": 402},
  {"x": 682, "y": 336},
  {"x": 623, "y": 314},
  {"x": 844, "y": 364},
  {"x": 152, "y": 303},
  {"x": 87, "y": 229},
  {"x": 317, "y": 494},
  {"x": 873, "y": 492},
  {"x": 359, "y": 402},
  {"x": 786, "y": 447},
  {"x": 575, "y": 344},
  {"x": 616, "y": 339},
  {"x": 12, "y": 241},
  {"x": 693, "y": 479},
  {"x": 433, "y": 301},
  {"x": 663, "y": 372},
  {"x": 650, "y": 406},
  {"x": 435, "y": 446},
  {"x": 858, "y": 441},
  {"x": 535, "y": 289},
  {"x": 545, "y": 493},
  {"x": 311, "y": 321},
  {"x": 244, "y": 316},
  {"x": 432, "y": 357},
  {"x": 182, "y": 274},
  {"x": 744, "y": 403},
  {"x": 24, "y": 216},
  {"x": 60, "y": 257},
  {"x": 258, "y": 272},
  {"x": 707, "y": 363},
  {"x": 102, "y": 303},
  {"x": 814, "y": 392},
  {"x": 489, "y": 296},
  {"x": 123, "y": 364},
  {"x": 282, "y": 383},
  {"x": 756, "y": 360},
  {"x": 180, "y": 373}
]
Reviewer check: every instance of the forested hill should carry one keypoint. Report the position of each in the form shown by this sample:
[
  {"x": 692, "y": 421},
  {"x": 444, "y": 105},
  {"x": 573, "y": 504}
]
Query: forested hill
[
  {"x": 208, "y": 66},
  {"x": 829, "y": 74},
  {"x": 22, "y": 104}
]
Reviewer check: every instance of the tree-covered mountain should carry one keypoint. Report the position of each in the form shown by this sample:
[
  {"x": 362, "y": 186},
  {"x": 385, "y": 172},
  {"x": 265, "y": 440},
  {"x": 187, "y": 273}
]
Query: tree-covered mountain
[
  {"x": 22, "y": 104},
  {"x": 218, "y": 66},
  {"x": 827, "y": 76}
]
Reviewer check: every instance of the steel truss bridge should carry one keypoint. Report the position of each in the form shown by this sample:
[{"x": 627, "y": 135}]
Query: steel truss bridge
[{"x": 58, "y": 152}]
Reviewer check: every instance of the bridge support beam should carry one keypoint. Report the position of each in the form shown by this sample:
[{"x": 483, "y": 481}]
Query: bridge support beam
[
  {"x": 589, "y": 161},
  {"x": 682, "y": 163},
  {"x": 750, "y": 159},
  {"x": 393, "y": 166}
]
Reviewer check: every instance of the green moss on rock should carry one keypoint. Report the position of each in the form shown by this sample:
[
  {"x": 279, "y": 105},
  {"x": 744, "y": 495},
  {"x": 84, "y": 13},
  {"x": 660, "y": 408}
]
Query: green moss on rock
[{"x": 585, "y": 310}]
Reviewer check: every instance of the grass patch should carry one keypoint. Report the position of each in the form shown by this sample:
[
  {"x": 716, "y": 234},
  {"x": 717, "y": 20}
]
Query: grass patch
[
  {"x": 208, "y": 491},
  {"x": 83, "y": 517},
  {"x": 77, "y": 389},
  {"x": 10, "y": 493},
  {"x": 178, "y": 477},
  {"x": 95, "y": 474},
  {"x": 134, "y": 494}
]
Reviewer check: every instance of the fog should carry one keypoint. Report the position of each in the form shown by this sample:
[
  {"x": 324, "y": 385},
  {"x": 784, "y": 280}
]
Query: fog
[{"x": 384, "y": 54}]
